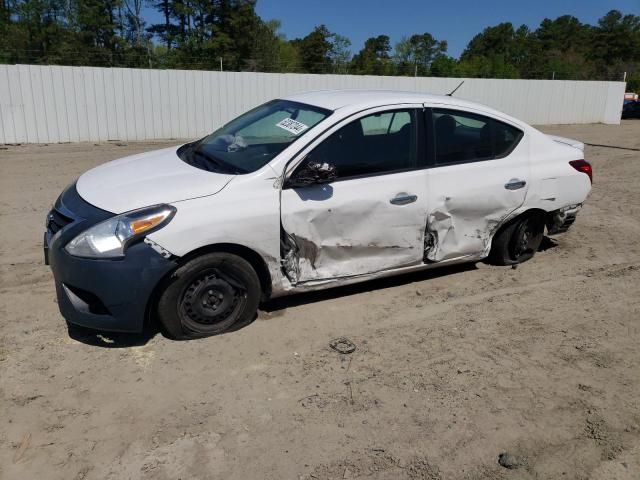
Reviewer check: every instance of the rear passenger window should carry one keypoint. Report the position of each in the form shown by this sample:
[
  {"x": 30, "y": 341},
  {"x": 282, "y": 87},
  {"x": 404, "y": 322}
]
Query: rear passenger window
[{"x": 466, "y": 137}]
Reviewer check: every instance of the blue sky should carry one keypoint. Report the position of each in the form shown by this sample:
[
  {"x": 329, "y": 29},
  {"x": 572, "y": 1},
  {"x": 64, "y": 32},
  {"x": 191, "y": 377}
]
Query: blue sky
[{"x": 456, "y": 21}]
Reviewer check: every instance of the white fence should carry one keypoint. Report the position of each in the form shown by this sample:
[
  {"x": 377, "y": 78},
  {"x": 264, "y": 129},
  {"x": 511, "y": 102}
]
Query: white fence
[{"x": 50, "y": 104}]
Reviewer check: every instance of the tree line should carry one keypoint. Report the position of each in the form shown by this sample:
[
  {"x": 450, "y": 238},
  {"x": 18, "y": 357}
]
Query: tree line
[{"x": 229, "y": 34}]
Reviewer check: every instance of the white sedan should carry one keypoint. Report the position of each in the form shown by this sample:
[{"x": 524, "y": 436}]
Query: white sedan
[{"x": 310, "y": 191}]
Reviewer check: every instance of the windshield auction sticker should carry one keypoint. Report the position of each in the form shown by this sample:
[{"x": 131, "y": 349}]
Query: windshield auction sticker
[{"x": 291, "y": 125}]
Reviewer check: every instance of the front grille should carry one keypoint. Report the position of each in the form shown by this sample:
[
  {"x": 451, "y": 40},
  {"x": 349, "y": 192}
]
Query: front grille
[{"x": 56, "y": 221}]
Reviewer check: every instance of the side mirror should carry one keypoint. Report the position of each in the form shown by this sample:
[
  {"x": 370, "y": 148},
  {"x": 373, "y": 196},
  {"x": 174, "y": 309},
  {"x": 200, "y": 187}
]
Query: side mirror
[{"x": 313, "y": 173}]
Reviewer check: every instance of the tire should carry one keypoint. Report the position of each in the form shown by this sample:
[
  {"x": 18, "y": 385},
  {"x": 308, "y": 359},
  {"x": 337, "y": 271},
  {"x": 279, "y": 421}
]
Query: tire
[
  {"x": 209, "y": 295},
  {"x": 518, "y": 241}
]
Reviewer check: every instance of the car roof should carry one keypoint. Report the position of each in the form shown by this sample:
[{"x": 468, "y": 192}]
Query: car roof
[
  {"x": 356, "y": 100},
  {"x": 336, "y": 99}
]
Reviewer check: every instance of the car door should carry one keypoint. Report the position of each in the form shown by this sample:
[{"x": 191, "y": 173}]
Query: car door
[
  {"x": 479, "y": 175},
  {"x": 371, "y": 217}
]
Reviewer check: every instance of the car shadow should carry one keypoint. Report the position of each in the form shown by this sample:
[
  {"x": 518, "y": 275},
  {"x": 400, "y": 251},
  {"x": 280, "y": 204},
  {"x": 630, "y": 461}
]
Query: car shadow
[
  {"x": 271, "y": 307},
  {"x": 277, "y": 306},
  {"x": 547, "y": 243},
  {"x": 98, "y": 338}
]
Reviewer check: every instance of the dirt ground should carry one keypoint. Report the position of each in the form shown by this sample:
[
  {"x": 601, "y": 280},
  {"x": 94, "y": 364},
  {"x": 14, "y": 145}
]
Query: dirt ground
[{"x": 452, "y": 367}]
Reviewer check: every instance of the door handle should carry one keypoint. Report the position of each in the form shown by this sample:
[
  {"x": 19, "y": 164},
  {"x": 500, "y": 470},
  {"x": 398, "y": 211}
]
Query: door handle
[
  {"x": 515, "y": 184},
  {"x": 403, "y": 199}
]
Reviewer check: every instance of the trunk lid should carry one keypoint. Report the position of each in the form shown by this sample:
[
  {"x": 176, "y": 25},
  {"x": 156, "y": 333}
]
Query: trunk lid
[{"x": 568, "y": 141}]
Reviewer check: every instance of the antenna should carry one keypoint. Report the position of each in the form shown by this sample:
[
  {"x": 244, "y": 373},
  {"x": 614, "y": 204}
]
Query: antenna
[{"x": 455, "y": 89}]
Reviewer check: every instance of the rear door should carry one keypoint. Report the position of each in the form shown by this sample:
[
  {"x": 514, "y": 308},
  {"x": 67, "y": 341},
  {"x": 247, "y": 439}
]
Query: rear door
[
  {"x": 372, "y": 217},
  {"x": 479, "y": 175}
]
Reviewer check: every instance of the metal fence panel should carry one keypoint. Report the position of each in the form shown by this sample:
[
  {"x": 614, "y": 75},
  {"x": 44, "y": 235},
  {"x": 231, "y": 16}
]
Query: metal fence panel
[{"x": 51, "y": 104}]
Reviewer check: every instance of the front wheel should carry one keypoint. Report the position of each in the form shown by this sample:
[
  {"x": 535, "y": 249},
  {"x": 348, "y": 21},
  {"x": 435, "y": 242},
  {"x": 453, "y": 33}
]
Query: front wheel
[
  {"x": 209, "y": 295},
  {"x": 518, "y": 241}
]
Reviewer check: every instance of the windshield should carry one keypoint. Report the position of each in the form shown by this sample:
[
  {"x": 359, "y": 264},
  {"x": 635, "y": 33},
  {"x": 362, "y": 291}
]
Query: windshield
[{"x": 253, "y": 139}]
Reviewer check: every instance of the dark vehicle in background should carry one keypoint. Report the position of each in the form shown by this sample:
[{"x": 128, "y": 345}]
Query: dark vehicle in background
[{"x": 631, "y": 110}]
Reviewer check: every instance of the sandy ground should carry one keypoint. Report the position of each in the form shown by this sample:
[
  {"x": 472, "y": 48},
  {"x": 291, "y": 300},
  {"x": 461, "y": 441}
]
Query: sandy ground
[{"x": 452, "y": 367}]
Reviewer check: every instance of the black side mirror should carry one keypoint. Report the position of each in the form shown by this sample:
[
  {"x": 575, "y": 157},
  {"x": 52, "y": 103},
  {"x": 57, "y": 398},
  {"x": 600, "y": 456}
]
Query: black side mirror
[{"x": 313, "y": 173}]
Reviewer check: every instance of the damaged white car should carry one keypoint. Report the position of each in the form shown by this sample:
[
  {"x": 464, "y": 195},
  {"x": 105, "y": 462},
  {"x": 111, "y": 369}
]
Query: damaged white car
[{"x": 310, "y": 191}]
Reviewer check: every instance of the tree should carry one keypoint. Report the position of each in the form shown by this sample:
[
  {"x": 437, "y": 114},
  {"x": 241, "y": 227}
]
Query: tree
[
  {"x": 374, "y": 58},
  {"x": 616, "y": 37},
  {"x": 562, "y": 34},
  {"x": 557, "y": 49},
  {"x": 416, "y": 54},
  {"x": 504, "y": 49},
  {"x": 95, "y": 37},
  {"x": 490, "y": 42},
  {"x": 272, "y": 52},
  {"x": 633, "y": 81},
  {"x": 340, "y": 53},
  {"x": 315, "y": 50},
  {"x": 166, "y": 31},
  {"x": 443, "y": 66},
  {"x": 33, "y": 31},
  {"x": 198, "y": 33},
  {"x": 289, "y": 57},
  {"x": 134, "y": 32}
]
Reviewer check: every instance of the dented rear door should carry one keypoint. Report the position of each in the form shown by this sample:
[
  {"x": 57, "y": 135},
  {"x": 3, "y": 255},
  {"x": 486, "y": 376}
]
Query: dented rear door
[
  {"x": 476, "y": 180},
  {"x": 373, "y": 216}
]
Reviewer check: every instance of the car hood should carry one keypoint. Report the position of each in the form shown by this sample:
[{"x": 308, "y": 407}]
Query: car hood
[{"x": 147, "y": 179}]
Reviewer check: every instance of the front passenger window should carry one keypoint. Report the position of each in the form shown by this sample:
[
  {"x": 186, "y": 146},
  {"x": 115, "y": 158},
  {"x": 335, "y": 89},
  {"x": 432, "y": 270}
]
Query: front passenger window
[{"x": 379, "y": 143}]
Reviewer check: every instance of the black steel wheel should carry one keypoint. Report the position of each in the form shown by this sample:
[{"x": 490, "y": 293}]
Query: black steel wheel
[
  {"x": 526, "y": 239},
  {"x": 518, "y": 241},
  {"x": 209, "y": 295}
]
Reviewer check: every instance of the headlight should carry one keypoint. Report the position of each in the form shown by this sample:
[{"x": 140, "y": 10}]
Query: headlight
[{"x": 110, "y": 238}]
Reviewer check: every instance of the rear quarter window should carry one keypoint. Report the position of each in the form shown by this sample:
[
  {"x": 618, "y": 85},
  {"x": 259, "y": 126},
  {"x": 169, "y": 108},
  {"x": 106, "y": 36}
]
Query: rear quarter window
[{"x": 506, "y": 137}]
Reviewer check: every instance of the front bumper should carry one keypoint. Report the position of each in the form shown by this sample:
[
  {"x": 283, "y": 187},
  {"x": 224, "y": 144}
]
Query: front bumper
[{"x": 110, "y": 294}]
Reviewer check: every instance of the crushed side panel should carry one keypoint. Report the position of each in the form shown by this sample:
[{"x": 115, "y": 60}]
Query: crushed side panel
[
  {"x": 352, "y": 237},
  {"x": 462, "y": 226}
]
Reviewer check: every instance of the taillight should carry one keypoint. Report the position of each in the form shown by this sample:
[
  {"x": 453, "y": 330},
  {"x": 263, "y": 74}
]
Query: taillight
[{"x": 584, "y": 167}]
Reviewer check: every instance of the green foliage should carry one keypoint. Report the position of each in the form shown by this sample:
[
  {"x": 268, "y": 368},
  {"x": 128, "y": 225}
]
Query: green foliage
[
  {"x": 502, "y": 50},
  {"x": 374, "y": 58},
  {"x": 415, "y": 55},
  {"x": 315, "y": 50},
  {"x": 443, "y": 66},
  {"x": 198, "y": 34},
  {"x": 340, "y": 53},
  {"x": 617, "y": 37},
  {"x": 633, "y": 82}
]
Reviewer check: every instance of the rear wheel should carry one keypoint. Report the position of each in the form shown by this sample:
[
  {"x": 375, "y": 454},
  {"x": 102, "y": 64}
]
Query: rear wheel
[
  {"x": 518, "y": 241},
  {"x": 209, "y": 295}
]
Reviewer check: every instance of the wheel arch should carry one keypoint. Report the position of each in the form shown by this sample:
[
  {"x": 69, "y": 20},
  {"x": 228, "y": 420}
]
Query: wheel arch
[
  {"x": 516, "y": 218},
  {"x": 521, "y": 215},
  {"x": 497, "y": 252},
  {"x": 254, "y": 258}
]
